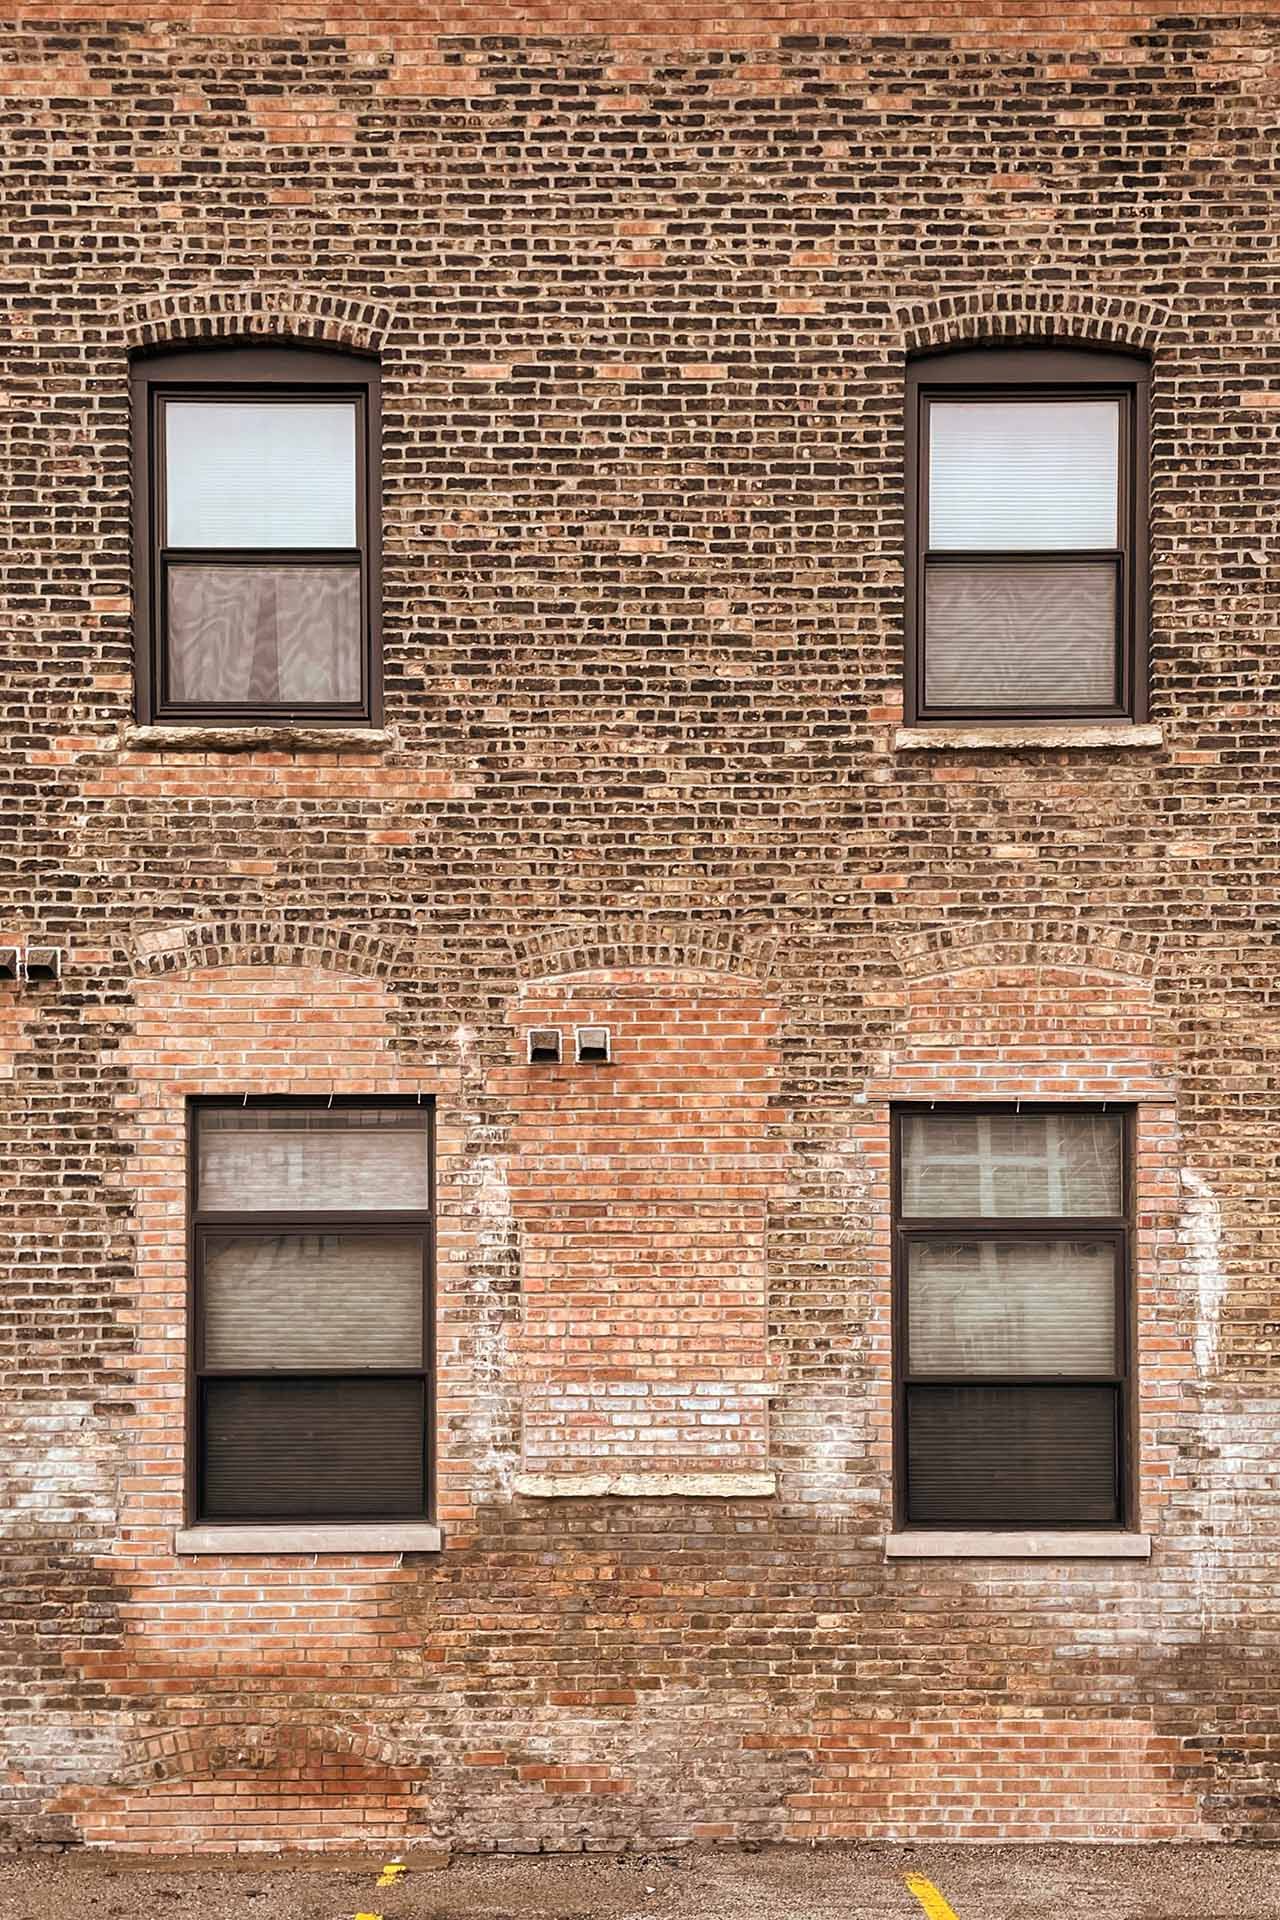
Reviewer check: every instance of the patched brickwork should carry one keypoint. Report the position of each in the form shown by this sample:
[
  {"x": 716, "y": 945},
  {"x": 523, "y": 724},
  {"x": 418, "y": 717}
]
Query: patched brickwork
[
  {"x": 641, "y": 1188},
  {"x": 643, "y": 289}
]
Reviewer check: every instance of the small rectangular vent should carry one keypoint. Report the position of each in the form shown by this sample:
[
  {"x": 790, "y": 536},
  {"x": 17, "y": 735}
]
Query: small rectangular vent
[
  {"x": 43, "y": 963},
  {"x": 9, "y": 963},
  {"x": 546, "y": 1046},
  {"x": 594, "y": 1046}
]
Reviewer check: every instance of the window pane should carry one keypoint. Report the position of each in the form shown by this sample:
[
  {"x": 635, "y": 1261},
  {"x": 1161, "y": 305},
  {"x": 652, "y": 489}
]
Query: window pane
[
  {"x": 1012, "y": 1456},
  {"x": 1016, "y": 635},
  {"x": 1000, "y": 1307},
  {"x": 970, "y": 1166},
  {"x": 300, "y": 1159},
  {"x": 260, "y": 473},
  {"x": 312, "y": 1300},
  {"x": 1009, "y": 475},
  {"x": 263, "y": 635},
  {"x": 313, "y": 1449}
]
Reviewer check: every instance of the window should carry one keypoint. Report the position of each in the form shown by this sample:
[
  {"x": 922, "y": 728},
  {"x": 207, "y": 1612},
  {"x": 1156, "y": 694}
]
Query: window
[
  {"x": 311, "y": 1323},
  {"x": 256, "y": 535},
  {"x": 1011, "y": 1251},
  {"x": 1026, "y": 535}
]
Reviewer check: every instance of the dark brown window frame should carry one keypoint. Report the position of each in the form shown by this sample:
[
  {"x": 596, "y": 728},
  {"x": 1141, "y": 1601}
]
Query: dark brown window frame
[
  {"x": 1118, "y": 1229},
  {"x": 405, "y": 1221},
  {"x": 1030, "y": 371},
  {"x": 236, "y": 371}
]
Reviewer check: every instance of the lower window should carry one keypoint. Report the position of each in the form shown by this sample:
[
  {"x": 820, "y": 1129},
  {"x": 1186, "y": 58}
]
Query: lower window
[
  {"x": 311, "y": 1228},
  {"x": 1011, "y": 1253}
]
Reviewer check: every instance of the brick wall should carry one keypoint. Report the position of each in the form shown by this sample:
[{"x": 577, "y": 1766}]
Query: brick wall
[{"x": 643, "y": 295}]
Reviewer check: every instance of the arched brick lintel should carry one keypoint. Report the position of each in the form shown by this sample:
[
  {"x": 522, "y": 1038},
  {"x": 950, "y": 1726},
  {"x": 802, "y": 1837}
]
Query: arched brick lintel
[
  {"x": 244, "y": 943},
  {"x": 1039, "y": 313},
  {"x": 225, "y": 313},
  {"x": 218, "y": 1745},
  {"x": 634, "y": 946},
  {"x": 1067, "y": 947}
]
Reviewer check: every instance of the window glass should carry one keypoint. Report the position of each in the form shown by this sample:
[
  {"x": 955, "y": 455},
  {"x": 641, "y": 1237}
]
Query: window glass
[
  {"x": 1023, "y": 475},
  {"x": 264, "y": 635},
  {"x": 966, "y": 1166},
  {"x": 1021, "y": 636},
  {"x": 274, "y": 1300},
  {"x": 260, "y": 473},
  {"x": 289, "y": 1159}
]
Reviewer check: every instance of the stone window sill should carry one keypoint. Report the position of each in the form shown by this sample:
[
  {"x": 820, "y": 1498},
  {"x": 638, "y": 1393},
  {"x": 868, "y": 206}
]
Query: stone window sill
[
  {"x": 288, "y": 737},
  {"x": 1109, "y": 734},
  {"x": 966, "y": 1544},
  {"x": 394, "y": 1537},
  {"x": 646, "y": 1486}
]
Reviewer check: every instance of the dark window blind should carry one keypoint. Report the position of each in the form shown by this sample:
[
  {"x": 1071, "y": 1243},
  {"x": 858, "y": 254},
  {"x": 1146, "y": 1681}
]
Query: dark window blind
[
  {"x": 294, "y": 1449},
  {"x": 1012, "y": 1456}
]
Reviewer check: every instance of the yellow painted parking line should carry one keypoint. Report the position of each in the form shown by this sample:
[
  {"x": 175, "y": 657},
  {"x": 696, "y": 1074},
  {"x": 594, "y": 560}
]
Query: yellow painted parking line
[{"x": 935, "y": 1907}]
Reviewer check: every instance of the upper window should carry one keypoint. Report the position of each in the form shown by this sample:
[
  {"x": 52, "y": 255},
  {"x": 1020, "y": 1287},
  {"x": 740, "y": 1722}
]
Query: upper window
[
  {"x": 255, "y": 535},
  {"x": 1026, "y": 535},
  {"x": 1011, "y": 1232},
  {"x": 311, "y": 1335}
]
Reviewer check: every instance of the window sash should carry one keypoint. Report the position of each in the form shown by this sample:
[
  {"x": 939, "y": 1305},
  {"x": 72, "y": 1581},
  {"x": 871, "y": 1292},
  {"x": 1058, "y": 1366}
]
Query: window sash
[
  {"x": 1030, "y": 562},
  {"x": 204, "y": 1225},
  {"x": 1042, "y": 402},
  {"x": 931, "y": 379},
  {"x": 1023, "y": 1234},
  {"x": 276, "y": 405},
  {"x": 1114, "y": 1230},
  {"x": 280, "y": 375},
  {"x": 170, "y": 557}
]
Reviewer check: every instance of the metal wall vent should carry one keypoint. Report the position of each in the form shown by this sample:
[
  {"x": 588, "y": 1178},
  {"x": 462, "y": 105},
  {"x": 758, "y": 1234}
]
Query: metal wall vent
[{"x": 594, "y": 1045}]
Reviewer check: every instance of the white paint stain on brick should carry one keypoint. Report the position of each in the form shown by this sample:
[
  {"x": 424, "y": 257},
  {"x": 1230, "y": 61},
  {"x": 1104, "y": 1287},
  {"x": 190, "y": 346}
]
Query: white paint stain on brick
[
  {"x": 489, "y": 1202},
  {"x": 58, "y": 1471},
  {"x": 1202, "y": 1232}
]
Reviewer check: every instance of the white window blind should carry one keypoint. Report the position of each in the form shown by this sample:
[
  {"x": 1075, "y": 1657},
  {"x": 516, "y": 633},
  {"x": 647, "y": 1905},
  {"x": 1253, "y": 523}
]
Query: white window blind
[
  {"x": 1023, "y": 475},
  {"x": 260, "y": 473}
]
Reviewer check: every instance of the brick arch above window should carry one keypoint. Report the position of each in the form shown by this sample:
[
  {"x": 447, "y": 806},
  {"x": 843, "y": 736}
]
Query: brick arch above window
[
  {"x": 195, "y": 314},
  {"x": 1068, "y": 315},
  {"x": 713, "y": 948},
  {"x": 250, "y": 1744},
  {"x": 268, "y": 943},
  {"x": 1060, "y": 944}
]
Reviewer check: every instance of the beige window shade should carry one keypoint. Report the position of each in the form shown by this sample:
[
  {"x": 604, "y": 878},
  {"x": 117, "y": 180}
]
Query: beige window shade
[
  {"x": 312, "y": 1299},
  {"x": 1041, "y": 1307}
]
